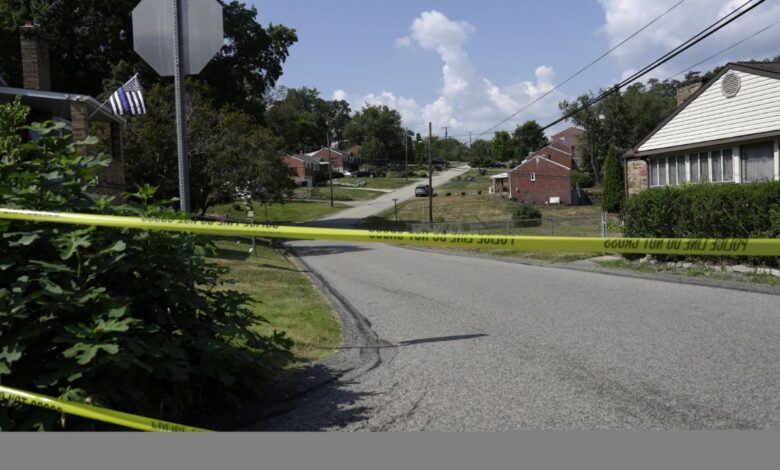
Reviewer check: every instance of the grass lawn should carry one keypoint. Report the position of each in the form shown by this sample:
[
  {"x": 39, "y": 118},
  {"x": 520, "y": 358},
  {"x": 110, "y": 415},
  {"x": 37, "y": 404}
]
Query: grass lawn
[
  {"x": 379, "y": 183},
  {"x": 290, "y": 212},
  {"x": 339, "y": 194},
  {"x": 478, "y": 182},
  {"x": 284, "y": 296}
]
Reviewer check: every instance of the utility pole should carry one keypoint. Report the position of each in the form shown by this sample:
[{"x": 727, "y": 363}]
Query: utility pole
[
  {"x": 330, "y": 165},
  {"x": 430, "y": 174},
  {"x": 406, "y": 155},
  {"x": 469, "y": 140}
]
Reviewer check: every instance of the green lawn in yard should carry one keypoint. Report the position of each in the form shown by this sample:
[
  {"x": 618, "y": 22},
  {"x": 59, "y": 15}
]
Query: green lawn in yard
[
  {"x": 290, "y": 212},
  {"x": 379, "y": 183},
  {"x": 470, "y": 182},
  {"x": 284, "y": 296},
  {"x": 339, "y": 194}
]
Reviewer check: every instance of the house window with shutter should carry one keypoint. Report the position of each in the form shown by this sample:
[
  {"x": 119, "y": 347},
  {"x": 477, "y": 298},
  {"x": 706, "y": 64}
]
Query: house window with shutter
[{"x": 533, "y": 176}]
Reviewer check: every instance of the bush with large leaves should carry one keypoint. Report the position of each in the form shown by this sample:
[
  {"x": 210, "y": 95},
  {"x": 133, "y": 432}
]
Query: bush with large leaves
[{"x": 130, "y": 319}]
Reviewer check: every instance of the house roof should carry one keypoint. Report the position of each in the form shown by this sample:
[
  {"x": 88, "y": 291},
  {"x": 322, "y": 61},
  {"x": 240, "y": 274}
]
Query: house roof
[
  {"x": 538, "y": 157},
  {"x": 500, "y": 176},
  {"x": 306, "y": 159},
  {"x": 765, "y": 69},
  {"x": 58, "y": 104}
]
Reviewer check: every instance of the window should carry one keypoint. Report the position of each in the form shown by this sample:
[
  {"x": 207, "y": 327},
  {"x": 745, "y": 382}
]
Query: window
[
  {"x": 562, "y": 140},
  {"x": 662, "y": 171},
  {"x": 653, "y": 172},
  {"x": 717, "y": 166},
  {"x": 722, "y": 165},
  {"x": 672, "y": 171},
  {"x": 694, "y": 157},
  {"x": 728, "y": 166},
  {"x": 758, "y": 162},
  {"x": 533, "y": 176},
  {"x": 681, "y": 170},
  {"x": 704, "y": 167}
]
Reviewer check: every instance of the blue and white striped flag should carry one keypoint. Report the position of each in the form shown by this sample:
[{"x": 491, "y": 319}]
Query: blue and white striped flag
[{"x": 128, "y": 98}]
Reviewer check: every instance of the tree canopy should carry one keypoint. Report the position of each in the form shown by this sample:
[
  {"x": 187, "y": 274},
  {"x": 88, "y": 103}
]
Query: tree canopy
[
  {"x": 91, "y": 49},
  {"x": 374, "y": 125}
]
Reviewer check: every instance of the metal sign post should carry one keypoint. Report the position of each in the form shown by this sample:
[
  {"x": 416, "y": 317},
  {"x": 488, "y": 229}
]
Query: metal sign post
[
  {"x": 178, "y": 37},
  {"x": 181, "y": 124}
]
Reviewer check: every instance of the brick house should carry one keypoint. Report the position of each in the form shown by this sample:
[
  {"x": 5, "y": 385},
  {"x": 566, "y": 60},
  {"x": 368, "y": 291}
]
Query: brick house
[
  {"x": 545, "y": 176},
  {"x": 568, "y": 140},
  {"x": 305, "y": 169},
  {"x": 541, "y": 180},
  {"x": 724, "y": 131},
  {"x": 78, "y": 112},
  {"x": 341, "y": 160}
]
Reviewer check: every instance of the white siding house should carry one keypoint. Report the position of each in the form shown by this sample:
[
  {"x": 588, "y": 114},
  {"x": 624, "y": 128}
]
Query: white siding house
[{"x": 726, "y": 132}]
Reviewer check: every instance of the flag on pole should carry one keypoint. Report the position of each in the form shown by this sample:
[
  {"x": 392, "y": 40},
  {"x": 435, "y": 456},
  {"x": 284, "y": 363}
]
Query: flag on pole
[{"x": 128, "y": 98}]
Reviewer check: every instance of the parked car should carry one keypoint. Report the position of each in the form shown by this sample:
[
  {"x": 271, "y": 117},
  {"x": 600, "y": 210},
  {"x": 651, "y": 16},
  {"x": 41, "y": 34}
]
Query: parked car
[
  {"x": 422, "y": 190},
  {"x": 497, "y": 165}
]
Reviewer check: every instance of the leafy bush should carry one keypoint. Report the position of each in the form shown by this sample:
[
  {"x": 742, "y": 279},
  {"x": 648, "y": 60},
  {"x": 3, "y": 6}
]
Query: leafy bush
[
  {"x": 526, "y": 216},
  {"x": 463, "y": 193},
  {"x": 448, "y": 194},
  {"x": 706, "y": 211},
  {"x": 129, "y": 319},
  {"x": 581, "y": 178},
  {"x": 479, "y": 191},
  {"x": 421, "y": 174}
]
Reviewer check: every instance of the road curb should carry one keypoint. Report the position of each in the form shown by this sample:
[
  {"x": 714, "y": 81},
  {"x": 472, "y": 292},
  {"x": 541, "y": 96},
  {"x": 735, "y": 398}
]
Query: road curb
[
  {"x": 361, "y": 351},
  {"x": 660, "y": 277}
]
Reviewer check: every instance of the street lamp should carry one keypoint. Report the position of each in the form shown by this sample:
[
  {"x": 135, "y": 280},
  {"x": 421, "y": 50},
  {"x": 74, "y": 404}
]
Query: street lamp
[{"x": 395, "y": 205}]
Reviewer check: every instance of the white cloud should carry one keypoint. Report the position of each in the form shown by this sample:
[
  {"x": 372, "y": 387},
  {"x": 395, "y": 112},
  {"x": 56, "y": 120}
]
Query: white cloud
[
  {"x": 467, "y": 101},
  {"x": 623, "y": 17}
]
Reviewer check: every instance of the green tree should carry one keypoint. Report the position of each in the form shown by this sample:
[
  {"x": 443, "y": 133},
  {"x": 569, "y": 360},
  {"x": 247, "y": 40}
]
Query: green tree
[
  {"x": 302, "y": 119},
  {"x": 502, "y": 146},
  {"x": 378, "y": 124},
  {"x": 480, "y": 153},
  {"x": 228, "y": 151},
  {"x": 91, "y": 48},
  {"x": 527, "y": 138},
  {"x": 614, "y": 193}
]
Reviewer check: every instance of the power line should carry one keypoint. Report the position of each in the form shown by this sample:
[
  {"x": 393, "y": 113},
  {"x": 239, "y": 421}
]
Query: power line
[
  {"x": 592, "y": 63},
  {"x": 724, "y": 50},
  {"x": 697, "y": 38}
]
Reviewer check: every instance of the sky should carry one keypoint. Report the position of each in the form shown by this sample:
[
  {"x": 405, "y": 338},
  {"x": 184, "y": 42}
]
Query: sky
[{"x": 468, "y": 65}]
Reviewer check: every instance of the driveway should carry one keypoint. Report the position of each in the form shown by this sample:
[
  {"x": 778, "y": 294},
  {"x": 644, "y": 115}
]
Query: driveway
[
  {"x": 350, "y": 217},
  {"x": 472, "y": 344}
]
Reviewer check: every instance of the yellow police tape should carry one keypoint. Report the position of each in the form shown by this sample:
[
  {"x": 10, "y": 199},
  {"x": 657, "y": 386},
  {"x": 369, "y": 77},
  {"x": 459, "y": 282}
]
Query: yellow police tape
[
  {"x": 93, "y": 412},
  {"x": 668, "y": 246}
]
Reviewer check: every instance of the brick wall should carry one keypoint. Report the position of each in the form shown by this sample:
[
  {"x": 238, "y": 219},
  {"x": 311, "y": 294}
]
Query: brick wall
[
  {"x": 636, "y": 176},
  {"x": 35, "y": 59},
  {"x": 549, "y": 180}
]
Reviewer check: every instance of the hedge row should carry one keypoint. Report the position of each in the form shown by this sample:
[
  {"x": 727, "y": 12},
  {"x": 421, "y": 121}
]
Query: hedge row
[{"x": 705, "y": 211}]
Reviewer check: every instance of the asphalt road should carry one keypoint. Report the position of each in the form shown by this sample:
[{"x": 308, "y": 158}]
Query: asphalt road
[
  {"x": 353, "y": 215},
  {"x": 475, "y": 344}
]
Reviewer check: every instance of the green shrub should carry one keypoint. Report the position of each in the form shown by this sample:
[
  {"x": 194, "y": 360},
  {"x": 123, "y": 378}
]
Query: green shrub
[
  {"x": 421, "y": 174},
  {"x": 448, "y": 194},
  {"x": 526, "y": 216},
  {"x": 237, "y": 206},
  {"x": 463, "y": 193},
  {"x": 479, "y": 191},
  {"x": 129, "y": 319},
  {"x": 705, "y": 211},
  {"x": 614, "y": 193}
]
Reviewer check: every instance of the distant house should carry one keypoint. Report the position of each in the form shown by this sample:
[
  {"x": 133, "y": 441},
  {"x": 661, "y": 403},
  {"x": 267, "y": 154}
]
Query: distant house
[
  {"x": 76, "y": 111},
  {"x": 500, "y": 183},
  {"x": 339, "y": 159},
  {"x": 545, "y": 176},
  {"x": 306, "y": 169},
  {"x": 726, "y": 131}
]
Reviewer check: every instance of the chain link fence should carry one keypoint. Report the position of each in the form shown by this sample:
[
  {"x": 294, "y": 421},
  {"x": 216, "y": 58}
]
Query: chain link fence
[{"x": 585, "y": 226}]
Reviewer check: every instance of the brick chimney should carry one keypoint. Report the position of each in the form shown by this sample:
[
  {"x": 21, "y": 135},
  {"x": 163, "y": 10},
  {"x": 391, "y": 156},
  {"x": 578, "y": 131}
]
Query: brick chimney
[
  {"x": 688, "y": 87},
  {"x": 35, "y": 58}
]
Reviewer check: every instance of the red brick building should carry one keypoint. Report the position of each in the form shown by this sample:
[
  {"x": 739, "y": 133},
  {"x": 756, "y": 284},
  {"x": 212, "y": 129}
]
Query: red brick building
[
  {"x": 305, "y": 169},
  {"x": 541, "y": 180},
  {"x": 340, "y": 160}
]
